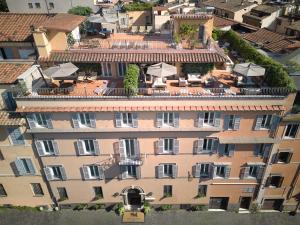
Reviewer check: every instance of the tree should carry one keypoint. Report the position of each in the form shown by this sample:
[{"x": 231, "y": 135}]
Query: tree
[
  {"x": 3, "y": 6},
  {"x": 70, "y": 39},
  {"x": 188, "y": 32},
  {"x": 81, "y": 11},
  {"x": 131, "y": 79}
]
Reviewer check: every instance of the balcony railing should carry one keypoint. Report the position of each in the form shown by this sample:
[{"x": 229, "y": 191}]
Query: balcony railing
[{"x": 135, "y": 160}]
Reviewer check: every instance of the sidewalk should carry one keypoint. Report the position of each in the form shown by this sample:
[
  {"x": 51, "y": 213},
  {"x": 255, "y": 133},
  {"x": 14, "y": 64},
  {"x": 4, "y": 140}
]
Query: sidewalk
[{"x": 180, "y": 217}]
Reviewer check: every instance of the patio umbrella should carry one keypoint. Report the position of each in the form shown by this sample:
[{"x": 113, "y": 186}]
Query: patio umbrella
[
  {"x": 65, "y": 71},
  {"x": 162, "y": 70},
  {"x": 249, "y": 70}
]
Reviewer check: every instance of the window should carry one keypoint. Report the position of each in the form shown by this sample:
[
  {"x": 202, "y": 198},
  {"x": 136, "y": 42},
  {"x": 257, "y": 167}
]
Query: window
[
  {"x": 168, "y": 170},
  {"x": 37, "y": 5},
  {"x": 283, "y": 157},
  {"x": 204, "y": 170},
  {"x": 274, "y": 181},
  {"x": 106, "y": 69},
  {"x": 168, "y": 191},
  {"x": 168, "y": 119},
  {"x": 37, "y": 189},
  {"x": 51, "y": 5},
  {"x": 55, "y": 173},
  {"x": 129, "y": 148},
  {"x": 89, "y": 147},
  {"x": 127, "y": 119},
  {"x": 30, "y": 5},
  {"x": 253, "y": 171},
  {"x": 84, "y": 119},
  {"x": 98, "y": 192},
  {"x": 220, "y": 171},
  {"x": 94, "y": 172},
  {"x": 202, "y": 190},
  {"x": 24, "y": 166},
  {"x": 291, "y": 130},
  {"x": 209, "y": 118},
  {"x": 48, "y": 147},
  {"x": 266, "y": 121},
  {"x": 122, "y": 67},
  {"x": 2, "y": 191},
  {"x": 39, "y": 120},
  {"x": 62, "y": 193},
  {"x": 231, "y": 122},
  {"x": 168, "y": 145},
  {"x": 130, "y": 171},
  {"x": 208, "y": 144},
  {"x": 16, "y": 136}
]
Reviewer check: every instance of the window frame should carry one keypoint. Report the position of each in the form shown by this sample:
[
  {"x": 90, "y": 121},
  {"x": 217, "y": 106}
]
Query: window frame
[
  {"x": 30, "y": 5},
  {"x": 168, "y": 116},
  {"x": 56, "y": 171},
  {"x": 100, "y": 194},
  {"x": 51, "y": 5},
  {"x": 66, "y": 196},
  {"x": 37, "y": 5},
  {"x": 40, "y": 117},
  {"x": 202, "y": 190},
  {"x": 169, "y": 147},
  {"x": 3, "y": 192},
  {"x": 168, "y": 191},
  {"x": 94, "y": 172},
  {"x": 286, "y": 129},
  {"x": 275, "y": 186},
  {"x": 204, "y": 167},
  {"x": 266, "y": 122},
  {"x": 231, "y": 121},
  {"x": 210, "y": 119},
  {"x": 129, "y": 142},
  {"x": 127, "y": 119},
  {"x": 51, "y": 152},
  {"x": 34, "y": 189},
  {"x": 206, "y": 142},
  {"x": 219, "y": 169},
  {"x": 132, "y": 172},
  {"x": 106, "y": 69},
  {"x": 90, "y": 145},
  {"x": 287, "y": 157},
  {"x": 253, "y": 168},
  {"x": 168, "y": 167},
  {"x": 84, "y": 120}
]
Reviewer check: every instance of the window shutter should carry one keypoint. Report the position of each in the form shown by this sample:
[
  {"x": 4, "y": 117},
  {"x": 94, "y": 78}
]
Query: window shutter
[
  {"x": 9, "y": 101},
  {"x": 289, "y": 157},
  {"x": 237, "y": 120},
  {"x": 118, "y": 119},
  {"x": 245, "y": 172},
  {"x": 217, "y": 120},
  {"x": 49, "y": 121},
  {"x": 135, "y": 120},
  {"x": 55, "y": 147},
  {"x": 221, "y": 149},
  {"x": 101, "y": 173},
  {"x": 122, "y": 148},
  {"x": 227, "y": 172},
  {"x": 138, "y": 172},
  {"x": 160, "y": 171},
  {"x": 176, "y": 119},
  {"x": 231, "y": 149},
  {"x": 123, "y": 172},
  {"x": 268, "y": 181},
  {"x": 80, "y": 148},
  {"x": 200, "y": 120},
  {"x": 137, "y": 147},
  {"x": 258, "y": 122},
  {"x": 175, "y": 171},
  {"x": 160, "y": 146},
  {"x": 93, "y": 120},
  {"x": 197, "y": 170},
  {"x": 48, "y": 173},
  {"x": 275, "y": 122},
  {"x": 31, "y": 120},
  {"x": 260, "y": 172},
  {"x": 280, "y": 182},
  {"x": 75, "y": 120},
  {"x": 30, "y": 166},
  {"x": 20, "y": 167},
  {"x": 16, "y": 135},
  {"x": 226, "y": 122},
  {"x": 96, "y": 146},
  {"x": 275, "y": 157},
  {"x": 39, "y": 147},
  {"x": 159, "y": 119},
  {"x": 176, "y": 146},
  {"x": 85, "y": 173},
  {"x": 215, "y": 146},
  {"x": 198, "y": 146},
  {"x": 213, "y": 171},
  {"x": 63, "y": 173},
  {"x": 256, "y": 149},
  {"x": 267, "y": 149}
]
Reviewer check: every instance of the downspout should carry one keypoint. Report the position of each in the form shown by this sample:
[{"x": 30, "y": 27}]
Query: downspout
[{"x": 46, "y": 2}]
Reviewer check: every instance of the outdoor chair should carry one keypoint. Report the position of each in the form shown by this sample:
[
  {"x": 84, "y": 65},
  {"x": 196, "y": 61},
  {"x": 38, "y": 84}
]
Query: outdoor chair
[
  {"x": 149, "y": 29},
  {"x": 182, "y": 82},
  {"x": 142, "y": 29},
  {"x": 134, "y": 29}
]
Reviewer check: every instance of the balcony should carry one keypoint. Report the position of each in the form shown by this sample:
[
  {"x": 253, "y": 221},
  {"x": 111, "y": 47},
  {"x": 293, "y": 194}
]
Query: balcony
[{"x": 135, "y": 160}]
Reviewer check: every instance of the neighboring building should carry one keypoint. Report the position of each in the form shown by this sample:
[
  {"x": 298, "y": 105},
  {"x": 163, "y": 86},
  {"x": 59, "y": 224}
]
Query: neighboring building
[
  {"x": 223, "y": 24},
  {"x": 161, "y": 18},
  {"x": 288, "y": 26},
  {"x": 233, "y": 9},
  {"x": 262, "y": 16},
  {"x": 293, "y": 29},
  {"x": 21, "y": 180},
  {"x": 16, "y": 39},
  {"x": 54, "y": 6}
]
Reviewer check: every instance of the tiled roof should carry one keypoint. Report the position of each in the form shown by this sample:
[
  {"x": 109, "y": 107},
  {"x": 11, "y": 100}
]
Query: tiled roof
[
  {"x": 10, "y": 71},
  {"x": 192, "y": 16},
  {"x": 63, "y": 22},
  {"x": 7, "y": 119},
  {"x": 151, "y": 108},
  {"x": 223, "y": 22},
  {"x": 144, "y": 56},
  {"x": 269, "y": 40},
  {"x": 17, "y": 27},
  {"x": 230, "y": 5}
]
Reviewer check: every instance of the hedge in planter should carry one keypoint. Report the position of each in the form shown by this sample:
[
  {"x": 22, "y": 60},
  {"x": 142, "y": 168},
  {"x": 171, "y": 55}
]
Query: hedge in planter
[
  {"x": 202, "y": 68},
  {"x": 131, "y": 79}
]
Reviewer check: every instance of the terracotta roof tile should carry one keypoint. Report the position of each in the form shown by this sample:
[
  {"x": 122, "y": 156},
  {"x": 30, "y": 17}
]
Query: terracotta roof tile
[
  {"x": 220, "y": 22},
  {"x": 192, "y": 16},
  {"x": 10, "y": 71}
]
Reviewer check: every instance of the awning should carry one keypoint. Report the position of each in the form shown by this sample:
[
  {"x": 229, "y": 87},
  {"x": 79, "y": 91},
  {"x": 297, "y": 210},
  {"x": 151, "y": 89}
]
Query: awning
[
  {"x": 162, "y": 70},
  {"x": 247, "y": 140},
  {"x": 65, "y": 71},
  {"x": 249, "y": 70}
]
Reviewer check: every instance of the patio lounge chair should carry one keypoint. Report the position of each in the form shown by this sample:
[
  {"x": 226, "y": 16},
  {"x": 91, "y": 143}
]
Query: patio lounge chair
[
  {"x": 142, "y": 29},
  {"x": 194, "y": 79},
  {"x": 134, "y": 29},
  {"x": 182, "y": 82},
  {"x": 158, "y": 83},
  {"x": 149, "y": 29}
]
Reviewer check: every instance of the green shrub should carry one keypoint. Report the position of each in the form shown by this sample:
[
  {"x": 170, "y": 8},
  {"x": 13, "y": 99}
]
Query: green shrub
[
  {"x": 97, "y": 206},
  {"x": 120, "y": 209},
  {"x": 147, "y": 207},
  {"x": 165, "y": 207},
  {"x": 131, "y": 79},
  {"x": 80, "y": 207},
  {"x": 81, "y": 11},
  {"x": 202, "y": 68},
  {"x": 138, "y": 6},
  {"x": 276, "y": 75},
  {"x": 24, "y": 208},
  {"x": 70, "y": 39},
  {"x": 198, "y": 207},
  {"x": 217, "y": 34},
  {"x": 254, "y": 208}
]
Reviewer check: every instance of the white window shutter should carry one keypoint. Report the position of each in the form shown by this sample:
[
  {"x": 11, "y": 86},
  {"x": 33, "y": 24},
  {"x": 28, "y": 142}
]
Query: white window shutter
[
  {"x": 237, "y": 120},
  {"x": 200, "y": 119},
  {"x": 20, "y": 167},
  {"x": 227, "y": 172},
  {"x": 122, "y": 148},
  {"x": 118, "y": 119},
  {"x": 135, "y": 120},
  {"x": 39, "y": 147},
  {"x": 217, "y": 120},
  {"x": 197, "y": 170},
  {"x": 30, "y": 166},
  {"x": 137, "y": 147},
  {"x": 96, "y": 146},
  {"x": 226, "y": 122},
  {"x": 31, "y": 120},
  {"x": 258, "y": 122},
  {"x": 160, "y": 146},
  {"x": 85, "y": 172},
  {"x": 199, "y": 144},
  {"x": 159, "y": 119},
  {"x": 176, "y": 119},
  {"x": 215, "y": 146},
  {"x": 101, "y": 173},
  {"x": 75, "y": 120},
  {"x": 160, "y": 171},
  {"x": 176, "y": 146},
  {"x": 55, "y": 147},
  {"x": 123, "y": 172},
  {"x": 213, "y": 170},
  {"x": 49, "y": 121},
  {"x": 138, "y": 172},
  {"x": 63, "y": 173},
  {"x": 93, "y": 120},
  {"x": 175, "y": 171},
  {"x": 245, "y": 172},
  {"x": 80, "y": 147},
  {"x": 231, "y": 148},
  {"x": 48, "y": 173}
]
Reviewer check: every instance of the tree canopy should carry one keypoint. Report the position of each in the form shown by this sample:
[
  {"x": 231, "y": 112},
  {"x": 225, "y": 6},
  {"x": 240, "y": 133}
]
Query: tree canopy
[
  {"x": 3, "y": 6},
  {"x": 81, "y": 11}
]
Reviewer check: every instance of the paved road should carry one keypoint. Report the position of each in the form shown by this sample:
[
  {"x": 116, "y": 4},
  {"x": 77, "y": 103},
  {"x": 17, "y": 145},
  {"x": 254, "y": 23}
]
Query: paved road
[{"x": 69, "y": 217}]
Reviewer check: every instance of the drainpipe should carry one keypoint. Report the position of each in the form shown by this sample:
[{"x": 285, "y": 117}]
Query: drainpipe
[{"x": 46, "y": 2}]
